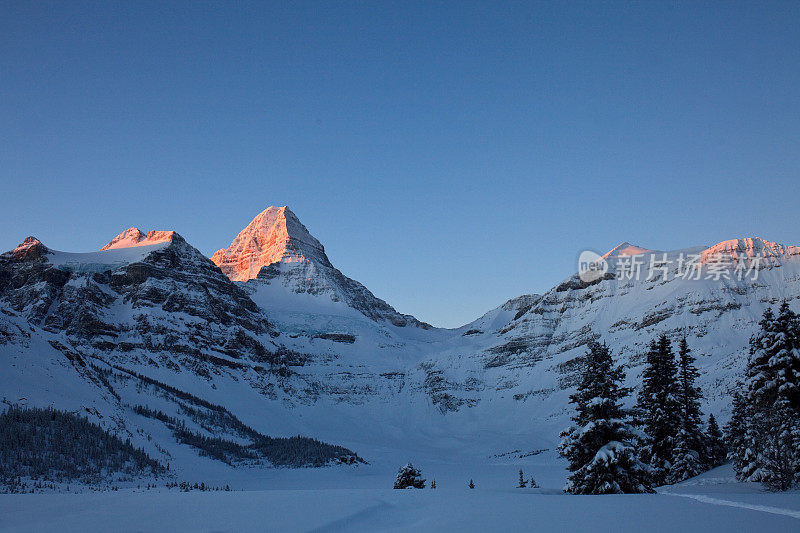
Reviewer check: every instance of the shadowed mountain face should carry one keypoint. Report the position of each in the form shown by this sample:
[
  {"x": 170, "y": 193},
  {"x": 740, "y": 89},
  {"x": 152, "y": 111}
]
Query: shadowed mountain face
[
  {"x": 152, "y": 299},
  {"x": 147, "y": 329}
]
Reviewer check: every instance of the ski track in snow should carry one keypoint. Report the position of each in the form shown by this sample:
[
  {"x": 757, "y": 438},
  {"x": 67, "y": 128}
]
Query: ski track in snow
[
  {"x": 741, "y": 505},
  {"x": 364, "y": 518}
]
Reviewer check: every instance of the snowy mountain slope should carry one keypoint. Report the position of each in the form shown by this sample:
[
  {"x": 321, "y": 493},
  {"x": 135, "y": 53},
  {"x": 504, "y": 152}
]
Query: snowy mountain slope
[
  {"x": 517, "y": 364},
  {"x": 534, "y": 357},
  {"x": 130, "y": 331},
  {"x": 150, "y": 322}
]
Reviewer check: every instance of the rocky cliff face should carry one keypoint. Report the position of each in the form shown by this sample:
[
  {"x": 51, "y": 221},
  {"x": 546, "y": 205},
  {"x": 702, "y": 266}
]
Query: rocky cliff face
[
  {"x": 167, "y": 299},
  {"x": 714, "y": 295},
  {"x": 134, "y": 237},
  {"x": 146, "y": 328},
  {"x": 275, "y": 235}
]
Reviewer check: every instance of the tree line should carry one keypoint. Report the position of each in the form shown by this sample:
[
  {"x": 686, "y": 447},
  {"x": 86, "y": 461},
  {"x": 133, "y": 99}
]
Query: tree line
[
  {"x": 58, "y": 446},
  {"x": 764, "y": 431},
  {"x": 663, "y": 440}
]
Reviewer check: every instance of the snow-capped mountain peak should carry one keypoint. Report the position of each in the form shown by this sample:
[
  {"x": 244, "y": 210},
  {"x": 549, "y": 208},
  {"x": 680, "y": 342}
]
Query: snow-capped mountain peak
[
  {"x": 300, "y": 347},
  {"x": 275, "y": 252},
  {"x": 134, "y": 237},
  {"x": 275, "y": 235},
  {"x": 748, "y": 248},
  {"x": 732, "y": 249},
  {"x": 625, "y": 249},
  {"x": 28, "y": 242},
  {"x": 30, "y": 248}
]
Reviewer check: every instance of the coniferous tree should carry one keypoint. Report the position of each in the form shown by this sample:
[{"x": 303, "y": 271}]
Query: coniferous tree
[
  {"x": 532, "y": 483},
  {"x": 689, "y": 457},
  {"x": 660, "y": 409},
  {"x": 433, "y": 484},
  {"x": 764, "y": 432},
  {"x": 599, "y": 446},
  {"x": 686, "y": 462},
  {"x": 409, "y": 477},
  {"x": 522, "y": 482},
  {"x": 715, "y": 446},
  {"x": 781, "y": 453},
  {"x": 471, "y": 484},
  {"x": 690, "y": 394},
  {"x": 748, "y": 419},
  {"x": 735, "y": 431}
]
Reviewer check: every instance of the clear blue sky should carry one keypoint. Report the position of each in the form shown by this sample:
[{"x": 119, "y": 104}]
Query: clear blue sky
[{"x": 449, "y": 155}]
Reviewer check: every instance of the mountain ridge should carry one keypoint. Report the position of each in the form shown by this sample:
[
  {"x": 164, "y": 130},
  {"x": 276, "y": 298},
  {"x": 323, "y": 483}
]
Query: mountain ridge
[{"x": 146, "y": 326}]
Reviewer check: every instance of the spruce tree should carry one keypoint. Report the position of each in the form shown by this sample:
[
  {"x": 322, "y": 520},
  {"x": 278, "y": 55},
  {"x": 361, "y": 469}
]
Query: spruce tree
[
  {"x": 409, "y": 477},
  {"x": 782, "y": 450},
  {"x": 690, "y": 394},
  {"x": 748, "y": 420},
  {"x": 689, "y": 457},
  {"x": 522, "y": 482},
  {"x": 765, "y": 428},
  {"x": 599, "y": 446},
  {"x": 781, "y": 454},
  {"x": 735, "y": 431},
  {"x": 786, "y": 363},
  {"x": 715, "y": 446},
  {"x": 660, "y": 409}
]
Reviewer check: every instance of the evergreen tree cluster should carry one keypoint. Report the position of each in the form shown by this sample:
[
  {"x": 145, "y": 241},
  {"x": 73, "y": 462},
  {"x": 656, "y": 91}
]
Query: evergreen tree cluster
[
  {"x": 60, "y": 446},
  {"x": 674, "y": 444},
  {"x": 525, "y": 483},
  {"x": 612, "y": 450},
  {"x": 185, "y": 486},
  {"x": 409, "y": 477},
  {"x": 659, "y": 409},
  {"x": 764, "y": 431},
  {"x": 295, "y": 451}
]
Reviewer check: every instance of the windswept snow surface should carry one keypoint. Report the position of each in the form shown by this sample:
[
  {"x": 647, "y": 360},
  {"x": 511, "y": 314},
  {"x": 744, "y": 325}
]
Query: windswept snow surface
[{"x": 716, "y": 505}]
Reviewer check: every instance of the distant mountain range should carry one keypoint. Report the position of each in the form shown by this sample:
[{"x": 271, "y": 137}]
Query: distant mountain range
[{"x": 269, "y": 336}]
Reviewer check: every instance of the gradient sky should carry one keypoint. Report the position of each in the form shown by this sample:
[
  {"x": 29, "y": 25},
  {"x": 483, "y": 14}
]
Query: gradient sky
[{"x": 448, "y": 155}]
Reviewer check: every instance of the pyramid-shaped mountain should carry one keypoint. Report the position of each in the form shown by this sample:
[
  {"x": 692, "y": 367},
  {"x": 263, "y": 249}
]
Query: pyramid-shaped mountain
[{"x": 276, "y": 248}]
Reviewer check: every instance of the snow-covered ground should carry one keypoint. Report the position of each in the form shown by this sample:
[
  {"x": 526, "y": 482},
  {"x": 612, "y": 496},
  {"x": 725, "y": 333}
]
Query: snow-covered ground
[{"x": 309, "y": 500}]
